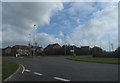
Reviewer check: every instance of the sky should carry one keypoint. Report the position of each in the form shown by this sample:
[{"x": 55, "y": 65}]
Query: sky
[{"x": 74, "y": 23}]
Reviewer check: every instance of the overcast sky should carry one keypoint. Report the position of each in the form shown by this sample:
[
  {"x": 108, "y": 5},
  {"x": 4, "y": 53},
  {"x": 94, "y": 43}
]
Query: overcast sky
[{"x": 78, "y": 23}]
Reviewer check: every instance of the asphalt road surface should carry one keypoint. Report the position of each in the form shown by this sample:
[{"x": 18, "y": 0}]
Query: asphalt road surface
[{"x": 58, "y": 68}]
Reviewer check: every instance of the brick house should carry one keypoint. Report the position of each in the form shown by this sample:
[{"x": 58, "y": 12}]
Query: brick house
[
  {"x": 52, "y": 49},
  {"x": 7, "y": 51},
  {"x": 85, "y": 50},
  {"x": 39, "y": 51},
  {"x": 21, "y": 50}
]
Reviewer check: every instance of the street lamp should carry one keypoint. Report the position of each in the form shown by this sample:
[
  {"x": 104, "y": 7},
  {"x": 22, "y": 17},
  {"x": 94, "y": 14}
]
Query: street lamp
[
  {"x": 65, "y": 44},
  {"x": 34, "y": 40},
  {"x": 74, "y": 51}
]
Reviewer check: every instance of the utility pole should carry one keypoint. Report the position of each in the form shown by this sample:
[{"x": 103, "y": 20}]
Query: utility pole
[
  {"x": 100, "y": 43},
  {"x": 34, "y": 40},
  {"x": 65, "y": 43},
  {"x": 109, "y": 43},
  {"x": 74, "y": 51},
  {"x": 29, "y": 45},
  {"x": 94, "y": 42},
  {"x": 29, "y": 38},
  {"x": 94, "y": 54},
  {"x": 112, "y": 46}
]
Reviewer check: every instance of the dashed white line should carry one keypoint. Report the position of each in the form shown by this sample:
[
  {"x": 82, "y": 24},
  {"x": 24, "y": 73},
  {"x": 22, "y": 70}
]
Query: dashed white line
[
  {"x": 27, "y": 70},
  {"x": 38, "y": 73},
  {"x": 61, "y": 79},
  {"x": 57, "y": 78}
]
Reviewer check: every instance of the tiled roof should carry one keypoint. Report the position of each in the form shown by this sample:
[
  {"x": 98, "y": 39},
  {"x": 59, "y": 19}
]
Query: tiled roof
[
  {"x": 52, "y": 45},
  {"x": 21, "y": 46}
]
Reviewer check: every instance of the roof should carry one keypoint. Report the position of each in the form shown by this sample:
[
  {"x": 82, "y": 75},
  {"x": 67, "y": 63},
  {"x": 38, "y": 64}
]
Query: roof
[
  {"x": 6, "y": 48},
  {"x": 52, "y": 45},
  {"x": 20, "y": 46},
  {"x": 85, "y": 47}
]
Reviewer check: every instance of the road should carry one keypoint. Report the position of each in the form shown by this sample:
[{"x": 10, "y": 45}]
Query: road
[{"x": 58, "y": 68}]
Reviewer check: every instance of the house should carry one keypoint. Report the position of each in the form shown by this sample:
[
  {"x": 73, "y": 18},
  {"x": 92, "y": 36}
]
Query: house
[
  {"x": 7, "y": 51},
  {"x": 97, "y": 51},
  {"x": 85, "y": 47},
  {"x": 39, "y": 50},
  {"x": 66, "y": 49},
  {"x": 52, "y": 46},
  {"x": 52, "y": 49},
  {"x": 21, "y": 50},
  {"x": 85, "y": 50}
]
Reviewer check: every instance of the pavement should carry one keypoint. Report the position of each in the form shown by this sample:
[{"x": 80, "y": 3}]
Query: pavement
[{"x": 58, "y": 68}]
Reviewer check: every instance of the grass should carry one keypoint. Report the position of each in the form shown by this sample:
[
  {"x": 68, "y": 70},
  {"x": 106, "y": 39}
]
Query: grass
[
  {"x": 0, "y": 70},
  {"x": 8, "y": 68},
  {"x": 94, "y": 59}
]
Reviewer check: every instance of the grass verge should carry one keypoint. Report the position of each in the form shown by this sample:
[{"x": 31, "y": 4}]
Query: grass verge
[
  {"x": 8, "y": 68},
  {"x": 94, "y": 59},
  {"x": 0, "y": 70}
]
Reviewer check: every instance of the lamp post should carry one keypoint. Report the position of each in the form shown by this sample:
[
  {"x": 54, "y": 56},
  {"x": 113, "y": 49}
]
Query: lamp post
[
  {"x": 65, "y": 44},
  {"x": 112, "y": 46},
  {"x": 29, "y": 45},
  {"x": 74, "y": 51},
  {"x": 34, "y": 40}
]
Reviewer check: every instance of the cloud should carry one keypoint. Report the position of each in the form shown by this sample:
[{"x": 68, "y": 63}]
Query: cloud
[
  {"x": 100, "y": 23},
  {"x": 86, "y": 10},
  {"x": 82, "y": 8},
  {"x": 119, "y": 24},
  {"x": 59, "y": 0},
  {"x": 90, "y": 0},
  {"x": 0, "y": 14},
  {"x": 19, "y": 18},
  {"x": 31, "y": 0},
  {"x": 61, "y": 34},
  {"x": 104, "y": 24},
  {"x": 46, "y": 39},
  {"x": 27, "y": 13}
]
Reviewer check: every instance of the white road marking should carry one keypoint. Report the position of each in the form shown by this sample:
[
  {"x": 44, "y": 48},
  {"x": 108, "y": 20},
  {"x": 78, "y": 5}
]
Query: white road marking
[
  {"x": 61, "y": 79},
  {"x": 27, "y": 70},
  {"x": 38, "y": 73},
  {"x": 23, "y": 68}
]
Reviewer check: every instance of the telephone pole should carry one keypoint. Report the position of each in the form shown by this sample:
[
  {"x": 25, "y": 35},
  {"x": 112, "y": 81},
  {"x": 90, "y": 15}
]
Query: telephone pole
[
  {"x": 109, "y": 42},
  {"x": 112, "y": 46},
  {"x": 65, "y": 43},
  {"x": 34, "y": 40}
]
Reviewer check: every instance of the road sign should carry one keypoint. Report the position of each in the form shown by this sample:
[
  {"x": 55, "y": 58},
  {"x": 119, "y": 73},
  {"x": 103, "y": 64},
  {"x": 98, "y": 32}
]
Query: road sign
[{"x": 71, "y": 50}]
